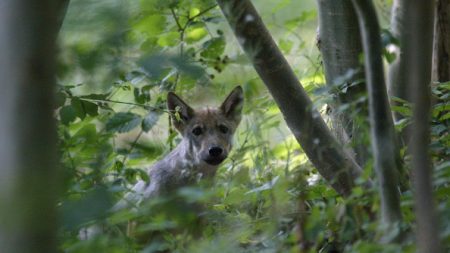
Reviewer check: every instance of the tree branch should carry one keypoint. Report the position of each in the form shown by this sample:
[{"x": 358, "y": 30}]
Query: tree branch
[
  {"x": 384, "y": 147},
  {"x": 308, "y": 127}
]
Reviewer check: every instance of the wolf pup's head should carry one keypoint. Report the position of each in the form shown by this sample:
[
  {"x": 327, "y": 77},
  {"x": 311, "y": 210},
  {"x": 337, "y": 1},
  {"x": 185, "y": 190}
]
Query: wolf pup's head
[{"x": 209, "y": 131}]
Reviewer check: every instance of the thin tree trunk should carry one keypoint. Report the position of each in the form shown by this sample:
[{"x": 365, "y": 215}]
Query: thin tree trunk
[
  {"x": 308, "y": 127},
  {"x": 340, "y": 45},
  {"x": 441, "y": 54},
  {"x": 418, "y": 32},
  {"x": 28, "y": 174},
  {"x": 398, "y": 87},
  {"x": 384, "y": 145}
]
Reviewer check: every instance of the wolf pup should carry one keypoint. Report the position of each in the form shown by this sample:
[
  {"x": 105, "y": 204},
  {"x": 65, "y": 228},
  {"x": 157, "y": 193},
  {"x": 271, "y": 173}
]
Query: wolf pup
[{"x": 207, "y": 140}]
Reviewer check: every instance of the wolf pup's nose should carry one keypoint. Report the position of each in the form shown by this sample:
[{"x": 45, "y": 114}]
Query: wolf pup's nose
[{"x": 215, "y": 151}]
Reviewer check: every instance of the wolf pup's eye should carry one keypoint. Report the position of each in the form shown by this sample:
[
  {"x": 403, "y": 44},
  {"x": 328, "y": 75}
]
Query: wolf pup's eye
[
  {"x": 223, "y": 129},
  {"x": 197, "y": 131}
]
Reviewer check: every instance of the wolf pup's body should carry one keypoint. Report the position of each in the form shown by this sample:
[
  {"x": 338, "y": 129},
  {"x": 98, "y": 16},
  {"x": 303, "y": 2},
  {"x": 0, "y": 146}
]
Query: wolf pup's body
[{"x": 207, "y": 140}]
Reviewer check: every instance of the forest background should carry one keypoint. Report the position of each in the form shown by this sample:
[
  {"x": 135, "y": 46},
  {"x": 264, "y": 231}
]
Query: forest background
[{"x": 329, "y": 167}]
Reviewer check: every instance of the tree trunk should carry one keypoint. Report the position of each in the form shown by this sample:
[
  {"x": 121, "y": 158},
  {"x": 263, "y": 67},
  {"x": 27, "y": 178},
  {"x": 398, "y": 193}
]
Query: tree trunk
[
  {"x": 398, "y": 87},
  {"x": 384, "y": 147},
  {"x": 418, "y": 32},
  {"x": 308, "y": 127},
  {"x": 340, "y": 45},
  {"x": 28, "y": 174},
  {"x": 441, "y": 54}
]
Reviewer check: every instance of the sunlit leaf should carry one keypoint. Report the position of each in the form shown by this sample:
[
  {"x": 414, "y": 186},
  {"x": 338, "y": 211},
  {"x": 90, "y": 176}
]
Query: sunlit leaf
[
  {"x": 193, "y": 12},
  {"x": 169, "y": 39},
  {"x": 153, "y": 25},
  {"x": 196, "y": 34},
  {"x": 286, "y": 46}
]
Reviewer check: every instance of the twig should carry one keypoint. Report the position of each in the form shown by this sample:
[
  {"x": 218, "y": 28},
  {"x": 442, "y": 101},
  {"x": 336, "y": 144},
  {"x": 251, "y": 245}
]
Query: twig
[
  {"x": 202, "y": 12},
  {"x": 122, "y": 102},
  {"x": 180, "y": 28}
]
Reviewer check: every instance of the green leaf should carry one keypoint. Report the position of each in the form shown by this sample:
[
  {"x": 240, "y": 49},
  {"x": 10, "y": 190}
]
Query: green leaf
[
  {"x": 169, "y": 39},
  {"x": 184, "y": 65},
  {"x": 153, "y": 25},
  {"x": 402, "y": 123},
  {"x": 405, "y": 111},
  {"x": 83, "y": 107},
  {"x": 286, "y": 45},
  {"x": 390, "y": 57},
  {"x": 440, "y": 108},
  {"x": 445, "y": 117},
  {"x": 149, "y": 121},
  {"x": 91, "y": 108},
  {"x": 60, "y": 99},
  {"x": 155, "y": 65},
  {"x": 193, "y": 12},
  {"x": 67, "y": 114},
  {"x": 78, "y": 107},
  {"x": 123, "y": 122},
  {"x": 142, "y": 95},
  {"x": 213, "y": 48},
  {"x": 195, "y": 33},
  {"x": 143, "y": 174},
  {"x": 443, "y": 166},
  {"x": 86, "y": 135}
]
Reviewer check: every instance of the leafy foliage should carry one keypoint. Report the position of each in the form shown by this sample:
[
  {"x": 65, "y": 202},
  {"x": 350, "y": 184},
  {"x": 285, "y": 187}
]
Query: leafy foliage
[{"x": 116, "y": 65}]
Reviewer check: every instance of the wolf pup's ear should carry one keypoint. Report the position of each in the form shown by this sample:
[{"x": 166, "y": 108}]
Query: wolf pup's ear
[
  {"x": 180, "y": 112},
  {"x": 232, "y": 106}
]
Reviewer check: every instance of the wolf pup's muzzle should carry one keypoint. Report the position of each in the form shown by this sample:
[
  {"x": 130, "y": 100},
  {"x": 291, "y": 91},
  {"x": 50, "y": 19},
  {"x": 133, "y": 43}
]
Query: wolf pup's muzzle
[{"x": 215, "y": 156}]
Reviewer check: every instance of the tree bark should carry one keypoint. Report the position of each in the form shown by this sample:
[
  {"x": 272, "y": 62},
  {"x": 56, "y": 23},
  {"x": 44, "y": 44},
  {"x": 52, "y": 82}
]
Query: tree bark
[
  {"x": 418, "y": 32},
  {"x": 384, "y": 147},
  {"x": 398, "y": 87},
  {"x": 340, "y": 45},
  {"x": 28, "y": 174},
  {"x": 441, "y": 54},
  {"x": 308, "y": 127}
]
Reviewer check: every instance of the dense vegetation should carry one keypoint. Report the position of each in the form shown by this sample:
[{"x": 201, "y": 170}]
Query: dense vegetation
[{"x": 117, "y": 60}]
